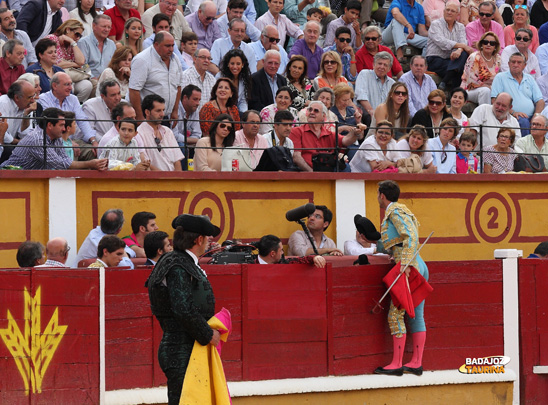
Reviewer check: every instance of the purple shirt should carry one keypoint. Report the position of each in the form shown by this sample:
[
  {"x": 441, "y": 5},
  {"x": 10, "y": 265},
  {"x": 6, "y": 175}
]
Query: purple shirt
[
  {"x": 206, "y": 37},
  {"x": 474, "y": 31},
  {"x": 314, "y": 59}
]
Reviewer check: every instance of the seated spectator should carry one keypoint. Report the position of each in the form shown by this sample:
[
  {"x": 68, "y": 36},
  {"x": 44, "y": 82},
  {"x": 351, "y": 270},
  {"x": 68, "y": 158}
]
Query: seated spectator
[
  {"x": 467, "y": 143},
  {"x": 162, "y": 148},
  {"x": 11, "y": 66},
  {"x": 45, "y": 68},
  {"x": 14, "y": 105},
  {"x": 37, "y": 16},
  {"x": 199, "y": 76},
  {"x": 236, "y": 31},
  {"x": 523, "y": 38},
  {"x": 57, "y": 250},
  {"x": 457, "y": 99},
  {"x": 480, "y": 69},
  {"x": 405, "y": 25},
  {"x": 224, "y": 98},
  {"x": 346, "y": 111},
  {"x": 177, "y": 19},
  {"x": 70, "y": 128},
  {"x": 160, "y": 23},
  {"x": 265, "y": 80},
  {"x": 189, "y": 45},
  {"x": 433, "y": 10},
  {"x": 447, "y": 51},
  {"x": 30, "y": 254},
  {"x": 327, "y": 97},
  {"x": 539, "y": 14},
  {"x": 203, "y": 23},
  {"x": 34, "y": 109},
  {"x": 142, "y": 223},
  {"x": 98, "y": 109},
  {"x": 155, "y": 244},
  {"x": 235, "y": 66},
  {"x": 349, "y": 20},
  {"x": 119, "y": 69},
  {"x": 188, "y": 109},
  {"x": 97, "y": 47},
  {"x": 284, "y": 25},
  {"x": 443, "y": 152},
  {"x": 395, "y": 110},
  {"x": 209, "y": 149},
  {"x": 119, "y": 14},
  {"x": 268, "y": 40},
  {"x": 84, "y": 12},
  {"x": 300, "y": 86},
  {"x": 433, "y": 114},
  {"x": 371, "y": 46},
  {"x": 367, "y": 238},
  {"x": 484, "y": 23},
  {"x": 535, "y": 143},
  {"x": 279, "y": 136},
  {"x": 133, "y": 35},
  {"x": 377, "y": 153},
  {"x": 416, "y": 143},
  {"x": 521, "y": 20},
  {"x": 281, "y": 102},
  {"x": 345, "y": 52},
  {"x": 30, "y": 153},
  {"x": 248, "y": 137},
  {"x": 499, "y": 158},
  {"x": 110, "y": 252},
  {"x": 124, "y": 148},
  {"x": 330, "y": 73},
  {"x": 271, "y": 251},
  {"x": 122, "y": 110},
  {"x": 236, "y": 9},
  {"x": 8, "y": 31},
  {"x": 541, "y": 251},
  {"x": 309, "y": 48},
  {"x": 470, "y": 11},
  {"x": 69, "y": 55},
  {"x": 418, "y": 83},
  {"x": 507, "y": 8}
]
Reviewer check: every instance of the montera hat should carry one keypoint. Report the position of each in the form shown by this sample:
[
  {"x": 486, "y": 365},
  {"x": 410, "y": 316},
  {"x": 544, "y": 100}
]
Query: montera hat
[
  {"x": 366, "y": 228},
  {"x": 199, "y": 224}
]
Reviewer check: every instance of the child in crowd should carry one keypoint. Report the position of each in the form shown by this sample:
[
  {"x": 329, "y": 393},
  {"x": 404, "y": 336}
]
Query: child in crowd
[
  {"x": 315, "y": 14},
  {"x": 189, "y": 44},
  {"x": 70, "y": 129},
  {"x": 124, "y": 147},
  {"x": 467, "y": 143}
]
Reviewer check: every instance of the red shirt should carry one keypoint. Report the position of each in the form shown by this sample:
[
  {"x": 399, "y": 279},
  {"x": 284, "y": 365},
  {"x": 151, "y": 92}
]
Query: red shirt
[
  {"x": 8, "y": 75},
  {"x": 364, "y": 60},
  {"x": 303, "y": 137},
  {"x": 118, "y": 21}
]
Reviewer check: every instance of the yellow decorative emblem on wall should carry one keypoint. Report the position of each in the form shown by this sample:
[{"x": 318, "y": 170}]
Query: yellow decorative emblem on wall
[{"x": 32, "y": 350}]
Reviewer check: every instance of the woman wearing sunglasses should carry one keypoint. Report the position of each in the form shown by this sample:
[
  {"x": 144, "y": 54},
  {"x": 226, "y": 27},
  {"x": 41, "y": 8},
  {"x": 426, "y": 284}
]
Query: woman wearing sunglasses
[
  {"x": 480, "y": 69},
  {"x": 299, "y": 84},
  {"x": 330, "y": 71},
  {"x": 499, "y": 158},
  {"x": 445, "y": 154},
  {"x": 521, "y": 20},
  {"x": 433, "y": 114},
  {"x": 395, "y": 109},
  {"x": 209, "y": 149},
  {"x": 523, "y": 39}
]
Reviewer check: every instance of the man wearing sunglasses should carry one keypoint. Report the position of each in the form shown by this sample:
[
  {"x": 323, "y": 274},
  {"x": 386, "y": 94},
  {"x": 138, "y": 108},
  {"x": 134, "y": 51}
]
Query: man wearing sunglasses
[
  {"x": 483, "y": 24},
  {"x": 350, "y": 20},
  {"x": 8, "y": 31},
  {"x": 371, "y": 47},
  {"x": 284, "y": 25},
  {"x": 204, "y": 24},
  {"x": 523, "y": 40},
  {"x": 346, "y": 52},
  {"x": 269, "y": 39}
]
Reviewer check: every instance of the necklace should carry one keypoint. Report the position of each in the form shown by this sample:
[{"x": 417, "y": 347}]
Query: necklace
[{"x": 487, "y": 60}]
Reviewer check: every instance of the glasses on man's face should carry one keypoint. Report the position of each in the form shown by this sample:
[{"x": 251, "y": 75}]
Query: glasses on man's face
[
  {"x": 227, "y": 126},
  {"x": 329, "y": 62},
  {"x": 485, "y": 14},
  {"x": 434, "y": 102},
  {"x": 158, "y": 140},
  {"x": 317, "y": 216},
  {"x": 524, "y": 39},
  {"x": 169, "y": 4},
  {"x": 370, "y": 39},
  {"x": 400, "y": 93},
  {"x": 208, "y": 58},
  {"x": 209, "y": 18},
  {"x": 347, "y": 40},
  {"x": 443, "y": 157},
  {"x": 486, "y": 42},
  {"x": 272, "y": 40}
]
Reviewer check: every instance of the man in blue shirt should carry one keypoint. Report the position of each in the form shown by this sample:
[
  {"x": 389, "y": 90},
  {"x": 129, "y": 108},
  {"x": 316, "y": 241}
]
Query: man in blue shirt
[{"x": 236, "y": 32}]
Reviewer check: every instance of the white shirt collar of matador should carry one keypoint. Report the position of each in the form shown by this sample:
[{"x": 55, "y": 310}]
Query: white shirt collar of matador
[{"x": 195, "y": 258}]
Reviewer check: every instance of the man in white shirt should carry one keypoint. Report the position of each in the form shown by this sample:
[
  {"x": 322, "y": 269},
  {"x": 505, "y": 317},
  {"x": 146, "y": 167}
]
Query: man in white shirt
[
  {"x": 14, "y": 104},
  {"x": 98, "y": 109}
]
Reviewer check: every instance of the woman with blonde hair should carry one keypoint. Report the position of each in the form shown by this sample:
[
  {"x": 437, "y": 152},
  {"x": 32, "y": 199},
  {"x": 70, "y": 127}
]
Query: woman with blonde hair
[
  {"x": 416, "y": 143},
  {"x": 118, "y": 69},
  {"x": 330, "y": 71},
  {"x": 395, "y": 109},
  {"x": 521, "y": 20},
  {"x": 133, "y": 35}
]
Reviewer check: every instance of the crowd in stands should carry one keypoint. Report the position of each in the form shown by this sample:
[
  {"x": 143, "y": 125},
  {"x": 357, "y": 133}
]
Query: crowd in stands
[{"x": 150, "y": 85}]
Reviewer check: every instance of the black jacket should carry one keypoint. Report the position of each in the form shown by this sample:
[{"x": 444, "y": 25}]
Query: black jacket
[
  {"x": 32, "y": 19},
  {"x": 261, "y": 93}
]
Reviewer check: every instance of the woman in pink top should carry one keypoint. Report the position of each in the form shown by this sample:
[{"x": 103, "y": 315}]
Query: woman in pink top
[{"x": 521, "y": 20}]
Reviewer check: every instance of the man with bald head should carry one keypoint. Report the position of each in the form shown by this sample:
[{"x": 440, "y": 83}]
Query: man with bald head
[
  {"x": 270, "y": 39},
  {"x": 157, "y": 70},
  {"x": 15, "y": 104},
  {"x": 204, "y": 24},
  {"x": 57, "y": 250}
]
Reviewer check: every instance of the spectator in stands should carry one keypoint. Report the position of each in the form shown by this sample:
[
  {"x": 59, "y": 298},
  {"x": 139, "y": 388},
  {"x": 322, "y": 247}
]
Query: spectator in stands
[
  {"x": 405, "y": 25},
  {"x": 235, "y": 9},
  {"x": 209, "y": 149},
  {"x": 155, "y": 244},
  {"x": 418, "y": 83},
  {"x": 367, "y": 238},
  {"x": 34, "y": 109},
  {"x": 271, "y": 251},
  {"x": 541, "y": 251},
  {"x": 350, "y": 20},
  {"x": 499, "y": 158},
  {"x": 8, "y": 31},
  {"x": 523, "y": 39},
  {"x": 119, "y": 14},
  {"x": 98, "y": 109},
  {"x": 191, "y": 96},
  {"x": 283, "y": 24},
  {"x": 345, "y": 110},
  {"x": 119, "y": 112},
  {"x": 539, "y": 13},
  {"x": 330, "y": 73},
  {"x": 45, "y": 68},
  {"x": 476, "y": 28},
  {"x": 13, "y": 53},
  {"x": 203, "y": 23},
  {"x": 248, "y": 137},
  {"x": 29, "y": 154},
  {"x": 178, "y": 22},
  {"x": 224, "y": 100},
  {"x": 157, "y": 71},
  {"x": 470, "y": 11},
  {"x": 327, "y": 97},
  {"x": 526, "y": 95},
  {"x": 199, "y": 76},
  {"x": 535, "y": 143},
  {"x": 521, "y": 20},
  {"x": 119, "y": 69},
  {"x": 15, "y": 104},
  {"x": 30, "y": 254},
  {"x": 189, "y": 45},
  {"x": 345, "y": 52},
  {"x": 480, "y": 69},
  {"x": 193, "y": 5},
  {"x": 142, "y": 223},
  {"x": 133, "y": 35},
  {"x": 279, "y": 136},
  {"x": 300, "y": 86},
  {"x": 315, "y": 135},
  {"x": 395, "y": 109},
  {"x": 39, "y": 18},
  {"x": 269, "y": 39},
  {"x": 57, "y": 250},
  {"x": 444, "y": 154},
  {"x": 309, "y": 48},
  {"x": 162, "y": 148},
  {"x": 110, "y": 252},
  {"x": 71, "y": 147},
  {"x": 542, "y": 56},
  {"x": 433, "y": 114},
  {"x": 416, "y": 143},
  {"x": 371, "y": 47},
  {"x": 160, "y": 22},
  {"x": 317, "y": 224},
  {"x": 266, "y": 81},
  {"x": 235, "y": 66},
  {"x": 124, "y": 147},
  {"x": 236, "y": 31},
  {"x": 281, "y": 102},
  {"x": 377, "y": 153},
  {"x": 457, "y": 99},
  {"x": 97, "y": 47},
  {"x": 84, "y": 12},
  {"x": 372, "y": 86},
  {"x": 60, "y": 95},
  {"x": 447, "y": 51}
]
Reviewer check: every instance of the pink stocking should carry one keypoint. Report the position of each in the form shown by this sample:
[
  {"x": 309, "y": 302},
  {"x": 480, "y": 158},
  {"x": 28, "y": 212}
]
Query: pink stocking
[
  {"x": 419, "y": 340},
  {"x": 399, "y": 348}
]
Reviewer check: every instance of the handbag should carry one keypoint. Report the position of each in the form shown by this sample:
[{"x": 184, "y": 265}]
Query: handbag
[
  {"x": 529, "y": 163},
  {"x": 411, "y": 164},
  {"x": 276, "y": 158},
  {"x": 243, "y": 156},
  {"x": 326, "y": 162},
  {"x": 77, "y": 75}
]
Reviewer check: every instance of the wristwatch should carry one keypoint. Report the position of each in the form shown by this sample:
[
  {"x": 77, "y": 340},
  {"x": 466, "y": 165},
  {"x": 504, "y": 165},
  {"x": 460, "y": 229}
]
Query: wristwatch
[{"x": 74, "y": 43}]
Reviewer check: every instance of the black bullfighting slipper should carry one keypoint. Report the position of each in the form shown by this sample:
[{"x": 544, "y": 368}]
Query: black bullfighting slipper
[
  {"x": 416, "y": 371},
  {"x": 396, "y": 371}
]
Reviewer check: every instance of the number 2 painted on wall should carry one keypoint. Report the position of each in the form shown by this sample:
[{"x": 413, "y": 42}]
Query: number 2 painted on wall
[{"x": 494, "y": 213}]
